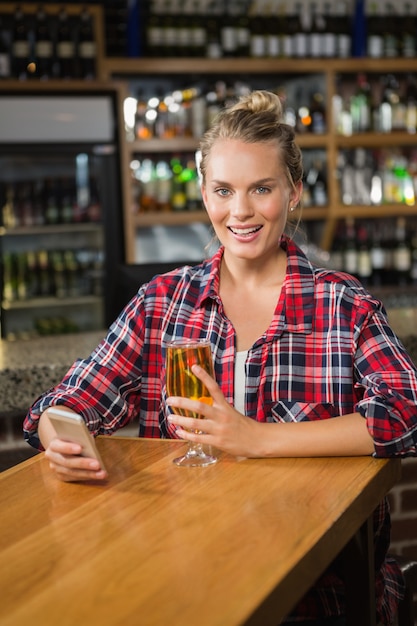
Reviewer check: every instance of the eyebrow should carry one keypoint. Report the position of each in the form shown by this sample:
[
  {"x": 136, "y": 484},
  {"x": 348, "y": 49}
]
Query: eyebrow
[{"x": 262, "y": 181}]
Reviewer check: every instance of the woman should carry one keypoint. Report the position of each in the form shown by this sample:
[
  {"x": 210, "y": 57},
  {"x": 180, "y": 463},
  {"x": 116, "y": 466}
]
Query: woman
[{"x": 305, "y": 361}]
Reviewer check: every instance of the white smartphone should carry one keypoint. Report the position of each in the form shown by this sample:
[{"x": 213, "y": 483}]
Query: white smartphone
[{"x": 71, "y": 427}]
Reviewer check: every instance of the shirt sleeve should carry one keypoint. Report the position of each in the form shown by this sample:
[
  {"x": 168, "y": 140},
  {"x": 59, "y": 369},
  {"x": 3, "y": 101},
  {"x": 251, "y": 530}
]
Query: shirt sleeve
[
  {"x": 103, "y": 388},
  {"x": 388, "y": 378}
]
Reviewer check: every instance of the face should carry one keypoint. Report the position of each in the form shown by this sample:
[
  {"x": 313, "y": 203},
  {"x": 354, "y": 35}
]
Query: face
[{"x": 247, "y": 197}]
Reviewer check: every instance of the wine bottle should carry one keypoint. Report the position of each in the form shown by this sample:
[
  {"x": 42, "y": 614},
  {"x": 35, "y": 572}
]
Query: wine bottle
[
  {"x": 5, "y": 62},
  {"x": 402, "y": 254},
  {"x": 86, "y": 46},
  {"x": 20, "y": 46},
  {"x": 65, "y": 47},
  {"x": 408, "y": 44},
  {"x": 330, "y": 30},
  {"x": 375, "y": 43},
  {"x": 44, "y": 51}
]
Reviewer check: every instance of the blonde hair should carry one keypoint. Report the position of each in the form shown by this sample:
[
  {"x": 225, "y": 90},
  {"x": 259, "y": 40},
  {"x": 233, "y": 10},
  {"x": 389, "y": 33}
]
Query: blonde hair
[{"x": 256, "y": 118}]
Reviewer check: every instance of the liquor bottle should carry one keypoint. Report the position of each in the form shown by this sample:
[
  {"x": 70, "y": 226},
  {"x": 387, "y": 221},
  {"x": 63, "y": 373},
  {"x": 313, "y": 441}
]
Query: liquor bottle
[
  {"x": 402, "y": 254},
  {"x": 364, "y": 267},
  {"x": 213, "y": 46},
  {"x": 183, "y": 28},
  {"x": 342, "y": 28},
  {"x": 392, "y": 36},
  {"x": 20, "y": 46},
  {"x": 192, "y": 186},
  {"x": 290, "y": 20},
  {"x": 377, "y": 254},
  {"x": 359, "y": 31},
  {"x": 9, "y": 291},
  {"x": 258, "y": 32},
  {"x": 44, "y": 49},
  {"x": 360, "y": 105},
  {"x": 143, "y": 130},
  {"x": 65, "y": 47},
  {"x": 316, "y": 44},
  {"x": 86, "y": 46},
  {"x": 317, "y": 113},
  {"x": 375, "y": 44},
  {"x": 198, "y": 30},
  {"x": 411, "y": 104},
  {"x": 163, "y": 186},
  {"x": 350, "y": 257},
  {"x": 52, "y": 210},
  {"x": 408, "y": 43},
  {"x": 228, "y": 31},
  {"x": 301, "y": 34},
  {"x": 330, "y": 31},
  {"x": 5, "y": 62},
  {"x": 178, "y": 196},
  {"x": 243, "y": 31},
  {"x": 154, "y": 30}
]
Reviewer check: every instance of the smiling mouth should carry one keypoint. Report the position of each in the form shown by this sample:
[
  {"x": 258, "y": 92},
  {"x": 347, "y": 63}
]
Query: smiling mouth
[{"x": 244, "y": 231}]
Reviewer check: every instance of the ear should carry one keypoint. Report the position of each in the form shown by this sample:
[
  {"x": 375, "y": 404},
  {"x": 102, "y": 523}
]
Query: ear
[{"x": 296, "y": 194}]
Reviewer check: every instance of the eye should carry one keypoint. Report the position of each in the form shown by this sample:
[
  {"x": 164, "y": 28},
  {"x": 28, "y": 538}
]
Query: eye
[
  {"x": 262, "y": 190},
  {"x": 222, "y": 191}
]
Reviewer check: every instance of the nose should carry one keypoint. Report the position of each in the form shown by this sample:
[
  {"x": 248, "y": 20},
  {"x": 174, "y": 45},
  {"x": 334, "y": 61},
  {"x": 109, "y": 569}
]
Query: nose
[{"x": 241, "y": 207}]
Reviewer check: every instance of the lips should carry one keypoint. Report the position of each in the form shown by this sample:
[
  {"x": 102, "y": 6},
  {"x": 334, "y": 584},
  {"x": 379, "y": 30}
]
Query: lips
[{"x": 244, "y": 232}]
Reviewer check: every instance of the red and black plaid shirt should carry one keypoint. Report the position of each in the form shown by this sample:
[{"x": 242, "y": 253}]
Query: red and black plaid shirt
[{"x": 328, "y": 351}]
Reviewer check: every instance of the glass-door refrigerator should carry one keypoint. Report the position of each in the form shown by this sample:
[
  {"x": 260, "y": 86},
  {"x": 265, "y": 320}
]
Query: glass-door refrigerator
[{"x": 61, "y": 232}]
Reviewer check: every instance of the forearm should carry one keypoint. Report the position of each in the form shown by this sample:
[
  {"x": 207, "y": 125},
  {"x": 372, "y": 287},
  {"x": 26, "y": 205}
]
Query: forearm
[{"x": 346, "y": 435}]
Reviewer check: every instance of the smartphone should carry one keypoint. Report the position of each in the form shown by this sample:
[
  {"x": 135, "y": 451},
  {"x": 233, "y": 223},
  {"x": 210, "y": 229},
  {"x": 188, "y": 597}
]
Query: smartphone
[{"x": 71, "y": 427}]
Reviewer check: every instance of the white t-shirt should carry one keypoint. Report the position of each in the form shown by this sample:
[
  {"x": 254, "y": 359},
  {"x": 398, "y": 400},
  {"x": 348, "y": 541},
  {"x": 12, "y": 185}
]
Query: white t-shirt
[{"x": 240, "y": 381}]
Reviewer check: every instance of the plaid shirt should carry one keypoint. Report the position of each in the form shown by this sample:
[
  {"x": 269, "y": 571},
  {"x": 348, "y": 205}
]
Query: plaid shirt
[{"x": 329, "y": 351}]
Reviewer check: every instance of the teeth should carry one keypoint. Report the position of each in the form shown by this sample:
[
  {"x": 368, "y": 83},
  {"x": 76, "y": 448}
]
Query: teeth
[{"x": 244, "y": 231}]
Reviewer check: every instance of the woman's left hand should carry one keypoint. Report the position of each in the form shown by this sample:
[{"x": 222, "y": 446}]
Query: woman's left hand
[{"x": 223, "y": 426}]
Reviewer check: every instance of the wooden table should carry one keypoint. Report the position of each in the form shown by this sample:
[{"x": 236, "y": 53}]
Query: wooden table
[{"x": 235, "y": 543}]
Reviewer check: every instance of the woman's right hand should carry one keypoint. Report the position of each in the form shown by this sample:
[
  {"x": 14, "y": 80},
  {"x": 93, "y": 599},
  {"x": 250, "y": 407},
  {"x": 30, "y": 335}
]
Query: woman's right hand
[
  {"x": 64, "y": 457},
  {"x": 67, "y": 464}
]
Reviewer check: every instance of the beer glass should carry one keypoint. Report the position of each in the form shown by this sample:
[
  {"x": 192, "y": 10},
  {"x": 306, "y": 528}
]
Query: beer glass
[{"x": 181, "y": 355}]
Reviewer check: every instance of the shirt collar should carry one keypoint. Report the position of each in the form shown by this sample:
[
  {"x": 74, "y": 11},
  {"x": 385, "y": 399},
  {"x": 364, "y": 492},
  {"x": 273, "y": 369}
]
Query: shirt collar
[{"x": 298, "y": 304}]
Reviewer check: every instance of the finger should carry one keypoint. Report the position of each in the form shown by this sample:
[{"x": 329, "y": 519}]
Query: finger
[
  {"x": 68, "y": 474},
  {"x": 208, "y": 380}
]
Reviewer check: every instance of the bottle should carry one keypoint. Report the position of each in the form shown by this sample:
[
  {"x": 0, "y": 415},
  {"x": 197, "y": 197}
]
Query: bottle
[
  {"x": 392, "y": 36},
  {"x": 342, "y": 28},
  {"x": 214, "y": 46},
  {"x": 377, "y": 254},
  {"x": 330, "y": 31},
  {"x": 5, "y": 61},
  {"x": 360, "y": 105},
  {"x": 65, "y": 47},
  {"x": 359, "y": 32},
  {"x": 242, "y": 32},
  {"x": 163, "y": 192},
  {"x": 178, "y": 195},
  {"x": 302, "y": 30},
  {"x": 316, "y": 43},
  {"x": 229, "y": 31},
  {"x": 154, "y": 30},
  {"x": 274, "y": 33},
  {"x": 44, "y": 50},
  {"x": 258, "y": 32},
  {"x": 86, "y": 46},
  {"x": 375, "y": 44},
  {"x": 350, "y": 257},
  {"x": 317, "y": 113},
  {"x": 20, "y": 46},
  {"x": 411, "y": 104},
  {"x": 408, "y": 47},
  {"x": 402, "y": 254},
  {"x": 198, "y": 30},
  {"x": 364, "y": 266}
]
